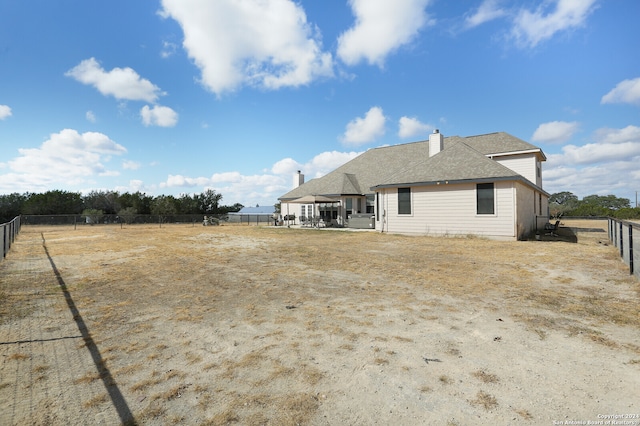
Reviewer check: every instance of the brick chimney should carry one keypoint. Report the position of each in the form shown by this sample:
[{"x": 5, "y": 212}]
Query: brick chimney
[{"x": 436, "y": 142}]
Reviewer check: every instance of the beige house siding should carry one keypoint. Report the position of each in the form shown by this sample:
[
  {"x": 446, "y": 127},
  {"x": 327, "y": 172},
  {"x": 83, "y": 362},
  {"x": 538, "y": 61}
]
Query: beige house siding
[
  {"x": 450, "y": 210},
  {"x": 527, "y": 206},
  {"x": 523, "y": 164}
]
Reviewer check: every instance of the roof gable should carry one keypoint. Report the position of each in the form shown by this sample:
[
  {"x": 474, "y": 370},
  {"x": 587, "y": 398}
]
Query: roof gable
[
  {"x": 411, "y": 162},
  {"x": 459, "y": 162}
]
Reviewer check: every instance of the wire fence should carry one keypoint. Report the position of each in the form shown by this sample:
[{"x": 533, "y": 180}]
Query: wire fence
[
  {"x": 254, "y": 219},
  {"x": 102, "y": 219},
  {"x": 625, "y": 236},
  {"x": 9, "y": 232}
]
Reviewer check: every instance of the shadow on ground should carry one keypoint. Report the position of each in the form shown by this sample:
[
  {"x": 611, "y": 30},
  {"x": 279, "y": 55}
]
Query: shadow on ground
[{"x": 564, "y": 234}]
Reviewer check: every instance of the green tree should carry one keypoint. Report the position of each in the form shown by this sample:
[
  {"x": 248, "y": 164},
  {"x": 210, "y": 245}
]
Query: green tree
[
  {"x": 54, "y": 202},
  {"x": 562, "y": 202},
  {"x": 93, "y": 216},
  {"x": 11, "y": 205},
  {"x": 107, "y": 201},
  {"x": 610, "y": 202},
  {"x": 163, "y": 206},
  {"x": 627, "y": 213},
  {"x": 139, "y": 201},
  {"x": 227, "y": 209},
  {"x": 188, "y": 204},
  {"x": 209, "y": 201},
  {"x": 127, "y": 215}
]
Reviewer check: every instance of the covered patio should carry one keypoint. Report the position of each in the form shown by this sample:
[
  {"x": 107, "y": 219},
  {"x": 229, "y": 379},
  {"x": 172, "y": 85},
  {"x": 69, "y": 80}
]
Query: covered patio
[{"x": 320, "y": 217}]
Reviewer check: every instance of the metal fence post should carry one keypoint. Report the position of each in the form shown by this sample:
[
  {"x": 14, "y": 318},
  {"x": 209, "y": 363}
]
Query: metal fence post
[
  {"x": 621, "y": 242},
  {"x": 631, "y": 249}
]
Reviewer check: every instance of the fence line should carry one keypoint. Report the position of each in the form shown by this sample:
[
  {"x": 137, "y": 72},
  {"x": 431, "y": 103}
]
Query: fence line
[
  {"x": 625, "y": 235},
  {"x": 98, "y": 219},
  {"x": 194, "y": 219},
  {"x": 252, "y": 219},
  {"x": 9, "y": 231}
]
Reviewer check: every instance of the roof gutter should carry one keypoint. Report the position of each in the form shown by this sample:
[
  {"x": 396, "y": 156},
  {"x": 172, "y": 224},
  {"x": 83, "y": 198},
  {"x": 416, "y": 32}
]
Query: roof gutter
[
  {"x": 459, "y": 181},
  {"x": 511, "y": 153}
]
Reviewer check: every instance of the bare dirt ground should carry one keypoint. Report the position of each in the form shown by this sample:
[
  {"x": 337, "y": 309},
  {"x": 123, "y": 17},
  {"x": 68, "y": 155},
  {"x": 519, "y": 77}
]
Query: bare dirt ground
[{"x": 258, "y": 325}]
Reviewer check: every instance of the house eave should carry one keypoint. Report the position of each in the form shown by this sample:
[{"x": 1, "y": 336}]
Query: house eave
[
  {"x": 512, "y": 153},
  {"x": 289, "y": 199},
  {"x": 459, "y": 181}
]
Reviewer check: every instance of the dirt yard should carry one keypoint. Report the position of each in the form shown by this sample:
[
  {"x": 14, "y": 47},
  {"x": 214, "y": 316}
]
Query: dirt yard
[{"x": 257, "y": 325}]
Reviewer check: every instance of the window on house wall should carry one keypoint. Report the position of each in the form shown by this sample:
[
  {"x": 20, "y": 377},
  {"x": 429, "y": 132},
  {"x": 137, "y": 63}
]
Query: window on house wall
[
  {"x": 404, "y": 200},
  {"x": 539, "y": 204},
  {"x": 377, "y": 206},
  {"x": 302, "y": 211},
  {"x": 349, "y": 206},
  {"x": 485, "y": 198},
  {"x": 370, "y": 203}
]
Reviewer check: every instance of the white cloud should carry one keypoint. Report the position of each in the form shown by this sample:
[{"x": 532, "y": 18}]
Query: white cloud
[
  {"x": 168, "y": 49},
  {"x": 267, "y": 44},
  {"x": 627, "y": 91},
  {"x": 325, "y": 162},
  {"x": 614, "y": 136},
  {"x": 608, "y": 164},
  {"x": 286, "y": 166},
  {"x": 158, "y": 116},
  {"x": 66, "y": 158},
  {"x": 130, "y": 165},
  {"x": 121, "y": 83},
  {"x": 135, "y": 185},
  {"x": 411, "y": 127},
  {"x": 233, "y": 177},
  {"x": 555, "y": 132},
  {"x": 487, "y": 11},
  {"x": 381, "y": 27},
  {"x": 532, "y": 28},
  {"x": 365, "y": 129},
  {"x": 5, "y": 111},
  {"x": 184, "y": 181},
  {"x": 90, "y": 116},
  {"x": 600, "y": 153},
  {"x": 265, "y": 188}
]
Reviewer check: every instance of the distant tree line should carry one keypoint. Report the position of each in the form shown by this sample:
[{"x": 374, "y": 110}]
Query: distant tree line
[
  {"x": 97, "y": 203},
  {"x": 567, "y": 204}
]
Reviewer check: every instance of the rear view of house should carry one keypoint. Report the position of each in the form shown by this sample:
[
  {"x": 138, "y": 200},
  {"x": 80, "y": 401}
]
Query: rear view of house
[{"x": 487, "y": 185}]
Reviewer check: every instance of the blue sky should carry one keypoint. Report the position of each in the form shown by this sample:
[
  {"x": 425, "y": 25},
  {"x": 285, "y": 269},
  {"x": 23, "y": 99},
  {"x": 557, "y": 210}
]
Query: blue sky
[{"x": 179, "y": 96}]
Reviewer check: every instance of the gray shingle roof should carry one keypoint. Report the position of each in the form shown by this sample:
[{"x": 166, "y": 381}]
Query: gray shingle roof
[
  {"x": 411, "y": 161},
  {"x": 458, "y": 162}
]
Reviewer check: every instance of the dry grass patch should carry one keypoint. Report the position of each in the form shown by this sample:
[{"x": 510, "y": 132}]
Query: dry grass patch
[
  {"x": 95, "y": 401},
  {"x": 485, "y": 377},
  {"x": 524, "y": 414},
  {"x": 445, "y": 380},
  {"x": 145, "y": 384},
  {"x": 191, "y": 300},
  {"x": 19, "y": 356},
  {"x": 87, "y": 378},
  {"x": 174, "y": 392},
  {"x": 485, "y": 400}
]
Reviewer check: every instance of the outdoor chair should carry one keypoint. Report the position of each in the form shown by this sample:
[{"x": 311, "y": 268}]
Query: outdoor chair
[{"x": 552, "y": 228}]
